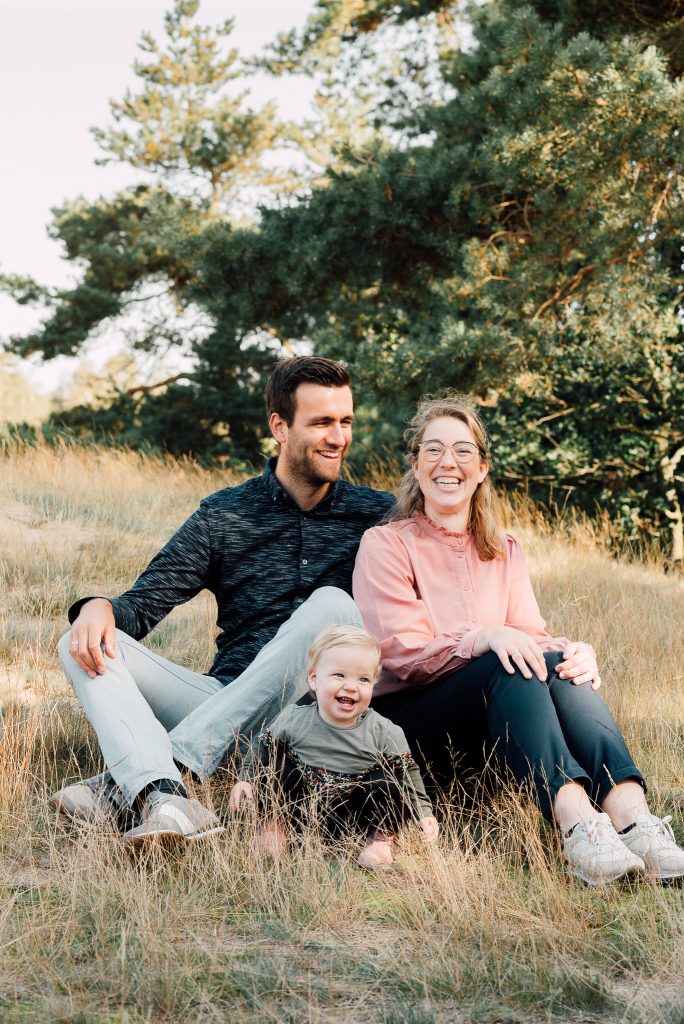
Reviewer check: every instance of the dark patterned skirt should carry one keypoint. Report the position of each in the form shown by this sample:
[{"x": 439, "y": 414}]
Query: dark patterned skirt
[{"x": 335, "y": 803}]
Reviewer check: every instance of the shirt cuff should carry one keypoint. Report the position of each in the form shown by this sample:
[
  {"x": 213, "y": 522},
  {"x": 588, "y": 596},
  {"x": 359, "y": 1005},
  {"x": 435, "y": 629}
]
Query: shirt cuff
[
  {"x": 464, "y": 648},
  {"x": 75, "y": 608}
]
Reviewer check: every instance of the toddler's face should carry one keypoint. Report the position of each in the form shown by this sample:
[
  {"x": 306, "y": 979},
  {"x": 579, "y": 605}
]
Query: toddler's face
[{"x": 343, "y": 683}]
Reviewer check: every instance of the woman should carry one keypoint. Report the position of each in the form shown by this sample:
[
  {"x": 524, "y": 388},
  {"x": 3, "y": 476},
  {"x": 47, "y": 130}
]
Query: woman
[{"x": 468, "y": 663}]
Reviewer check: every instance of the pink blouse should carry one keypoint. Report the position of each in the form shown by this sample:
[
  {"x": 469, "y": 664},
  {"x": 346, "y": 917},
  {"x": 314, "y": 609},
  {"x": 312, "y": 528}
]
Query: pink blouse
[{"x": 424, "y": 593}]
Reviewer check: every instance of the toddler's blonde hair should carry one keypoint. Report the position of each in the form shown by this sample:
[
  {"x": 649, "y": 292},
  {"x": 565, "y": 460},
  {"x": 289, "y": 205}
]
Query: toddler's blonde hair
[{"x": 345, "y": 635}]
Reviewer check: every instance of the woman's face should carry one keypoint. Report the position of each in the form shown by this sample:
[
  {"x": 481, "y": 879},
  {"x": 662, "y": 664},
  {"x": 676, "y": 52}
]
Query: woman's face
[{"x": 449, "y": 470}]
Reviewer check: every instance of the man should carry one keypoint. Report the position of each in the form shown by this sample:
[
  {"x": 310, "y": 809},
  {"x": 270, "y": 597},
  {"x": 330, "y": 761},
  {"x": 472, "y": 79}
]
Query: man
[{"x": 277, "y": 552}]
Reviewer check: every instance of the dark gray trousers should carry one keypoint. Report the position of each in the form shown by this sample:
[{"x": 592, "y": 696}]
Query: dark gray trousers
[{"x": 543, "y": 734}]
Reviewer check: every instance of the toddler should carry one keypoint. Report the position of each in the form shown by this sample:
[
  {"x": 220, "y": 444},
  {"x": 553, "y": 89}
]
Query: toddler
[{"x": 339, "y": 751}]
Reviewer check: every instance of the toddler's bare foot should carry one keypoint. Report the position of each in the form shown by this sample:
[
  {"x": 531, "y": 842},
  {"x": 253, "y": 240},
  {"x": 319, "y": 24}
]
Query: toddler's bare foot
[
  {"x": 378, "y": 851},
  {"x": 270, "y": 841}
]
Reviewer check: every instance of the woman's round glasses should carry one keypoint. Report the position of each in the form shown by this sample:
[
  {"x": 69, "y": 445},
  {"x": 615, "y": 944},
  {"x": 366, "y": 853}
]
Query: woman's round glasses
[{"x": 463, "y": 451}]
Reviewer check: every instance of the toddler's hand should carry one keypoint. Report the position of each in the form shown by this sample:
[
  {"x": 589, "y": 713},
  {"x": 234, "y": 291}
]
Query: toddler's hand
[
  {"x": 430, "y": 828},
  {"x": 239, "y": 791}
]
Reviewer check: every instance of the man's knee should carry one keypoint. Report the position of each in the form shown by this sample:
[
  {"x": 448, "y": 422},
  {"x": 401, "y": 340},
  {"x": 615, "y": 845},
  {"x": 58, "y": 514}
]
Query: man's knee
[
  {"x": 330, "y": 605},
  {"x": 64, "y": 649}
]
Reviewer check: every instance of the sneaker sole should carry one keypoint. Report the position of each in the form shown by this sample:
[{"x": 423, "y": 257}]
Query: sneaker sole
[
  {"x": 168, "y": 838},
  {"x": 628, "y": 874},
  {"x": 673, "y": 880}
]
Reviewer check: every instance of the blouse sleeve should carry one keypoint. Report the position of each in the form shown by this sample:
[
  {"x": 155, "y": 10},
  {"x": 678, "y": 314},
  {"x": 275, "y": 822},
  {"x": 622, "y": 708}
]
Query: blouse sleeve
[
  {"x": 523, "y": 611},
  {"x": 384, "y": 590}
]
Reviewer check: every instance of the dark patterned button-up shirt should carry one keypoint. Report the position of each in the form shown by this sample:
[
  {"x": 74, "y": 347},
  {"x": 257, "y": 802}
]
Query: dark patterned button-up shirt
[{"x": 259, "y": 554}]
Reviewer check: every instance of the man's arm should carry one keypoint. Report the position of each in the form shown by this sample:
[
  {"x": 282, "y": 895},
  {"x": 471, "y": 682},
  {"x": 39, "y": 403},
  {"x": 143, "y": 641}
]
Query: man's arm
[{"x": 175, "y": 575}]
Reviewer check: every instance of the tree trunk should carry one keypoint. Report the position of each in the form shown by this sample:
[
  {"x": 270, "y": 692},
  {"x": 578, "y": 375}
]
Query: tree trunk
[{"x": 674, "y": 513}]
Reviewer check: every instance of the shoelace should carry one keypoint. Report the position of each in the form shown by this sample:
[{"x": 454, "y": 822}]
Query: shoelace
[
  {"x": 661, "y": 826},
  {"x": 599, "y": 830}
]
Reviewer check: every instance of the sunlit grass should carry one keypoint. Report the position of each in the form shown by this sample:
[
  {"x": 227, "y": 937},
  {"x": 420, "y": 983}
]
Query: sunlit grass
[{"x": 486, "y": 927}]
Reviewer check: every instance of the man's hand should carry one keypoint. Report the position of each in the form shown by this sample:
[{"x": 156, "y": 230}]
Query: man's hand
[
  {"x": 95, "y": 624},
  {"x": 240, "y": 791},
  {"x": 512, "y": 646},
  {"x": 579, "y": 665},
  {"x": 430, "y": 828}
]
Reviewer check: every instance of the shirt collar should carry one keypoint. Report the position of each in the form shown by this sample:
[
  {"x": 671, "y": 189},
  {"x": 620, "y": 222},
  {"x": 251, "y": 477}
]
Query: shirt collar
[{"x": 278, "y": 493}]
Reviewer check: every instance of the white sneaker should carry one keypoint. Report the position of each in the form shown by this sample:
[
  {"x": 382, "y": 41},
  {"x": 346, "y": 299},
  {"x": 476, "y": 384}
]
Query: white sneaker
[
  {"x": 653, "y": 840},
  {"x": 594, "y": 853},
  {"x": 171, "y": 818},
  {"x": 95, "y": 801}
]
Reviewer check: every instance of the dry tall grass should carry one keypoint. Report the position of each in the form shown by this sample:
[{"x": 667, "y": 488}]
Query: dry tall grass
[{"x": 486, "y": 928}]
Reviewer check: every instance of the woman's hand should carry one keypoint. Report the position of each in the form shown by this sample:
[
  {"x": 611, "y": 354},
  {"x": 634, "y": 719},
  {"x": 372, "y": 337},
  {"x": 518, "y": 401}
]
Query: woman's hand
[
  {"x": 514, "y": 649},
  {"x": 430, "y": 828},
  {"x": 579, "y": 665},
  {"x": 240, "y": 791}
]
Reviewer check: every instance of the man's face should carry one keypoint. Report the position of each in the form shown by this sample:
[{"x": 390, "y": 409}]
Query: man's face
[{"x": 313, "y": 446}]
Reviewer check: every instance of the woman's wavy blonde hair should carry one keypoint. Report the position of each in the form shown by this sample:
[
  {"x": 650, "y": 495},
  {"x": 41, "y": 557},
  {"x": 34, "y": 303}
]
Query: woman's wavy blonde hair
[{"x": 482, "y": 521}]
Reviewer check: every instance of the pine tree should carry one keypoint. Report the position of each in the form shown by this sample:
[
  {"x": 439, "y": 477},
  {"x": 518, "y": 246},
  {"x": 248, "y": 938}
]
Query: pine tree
[
  {"x": 184, "y": 125},
  {"x": 204, "y": 149}
]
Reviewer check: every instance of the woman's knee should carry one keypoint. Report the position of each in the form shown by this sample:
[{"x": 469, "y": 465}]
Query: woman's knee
[
  {"x": 520, "y": 695},
  {"x": 553, "y": 659},
  {"x": 501, "y": 679}
]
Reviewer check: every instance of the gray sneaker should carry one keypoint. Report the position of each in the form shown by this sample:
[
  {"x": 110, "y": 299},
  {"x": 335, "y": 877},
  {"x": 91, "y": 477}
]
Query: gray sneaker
[
  {"x": 96, "y": 801},
  {"x": 594, "y": 853},
  {"x": 653, "y": 840},
  {"x": 172, "y": 819}
]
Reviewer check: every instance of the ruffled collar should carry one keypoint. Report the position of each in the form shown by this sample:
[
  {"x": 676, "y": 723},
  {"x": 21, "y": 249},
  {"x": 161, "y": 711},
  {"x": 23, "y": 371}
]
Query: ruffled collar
[{"x": 429, "y": 527}]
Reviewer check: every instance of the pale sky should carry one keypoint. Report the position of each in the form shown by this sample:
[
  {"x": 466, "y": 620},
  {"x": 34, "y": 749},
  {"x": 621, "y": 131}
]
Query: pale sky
[{"x": 60, "y": 63}]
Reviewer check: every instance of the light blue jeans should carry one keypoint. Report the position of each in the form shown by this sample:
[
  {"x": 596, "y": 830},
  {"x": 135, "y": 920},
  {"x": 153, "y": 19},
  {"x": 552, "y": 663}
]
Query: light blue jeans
[{"x": 149, "y": 714}]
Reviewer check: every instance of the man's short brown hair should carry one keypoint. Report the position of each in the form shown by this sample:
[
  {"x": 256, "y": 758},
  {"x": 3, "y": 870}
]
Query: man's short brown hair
[{"x": 295, "y": 370}]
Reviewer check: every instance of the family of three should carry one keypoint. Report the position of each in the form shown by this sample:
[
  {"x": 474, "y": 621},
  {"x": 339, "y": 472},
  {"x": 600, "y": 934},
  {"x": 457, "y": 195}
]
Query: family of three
[{"x": 418, "y": 604}]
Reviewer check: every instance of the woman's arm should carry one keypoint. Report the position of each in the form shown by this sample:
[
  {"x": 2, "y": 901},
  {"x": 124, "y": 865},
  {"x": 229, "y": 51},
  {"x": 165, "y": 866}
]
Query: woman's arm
[
  {"x": 523, "y": 611},
  {"x": 384, "y": 590},
  {"x": 579, "y": 664}
]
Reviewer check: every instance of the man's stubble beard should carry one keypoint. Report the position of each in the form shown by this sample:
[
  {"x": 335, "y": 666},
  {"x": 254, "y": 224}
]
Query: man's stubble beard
[{"x": 303, "y": 467}]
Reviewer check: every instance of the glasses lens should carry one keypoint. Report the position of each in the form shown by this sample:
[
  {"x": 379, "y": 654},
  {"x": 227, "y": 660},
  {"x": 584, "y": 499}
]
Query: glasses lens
[
  {"x": 433, "y": 451},
  {"x": 463, "y": 451}
]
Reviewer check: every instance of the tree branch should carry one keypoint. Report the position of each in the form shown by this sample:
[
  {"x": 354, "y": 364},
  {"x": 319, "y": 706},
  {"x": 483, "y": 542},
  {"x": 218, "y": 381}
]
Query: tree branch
[
  {"x": 569, "y": 286},
  {"x": 146, "y": 388}
]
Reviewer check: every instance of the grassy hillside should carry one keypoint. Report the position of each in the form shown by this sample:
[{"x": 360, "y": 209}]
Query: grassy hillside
[{"x": 486, "y": 928}]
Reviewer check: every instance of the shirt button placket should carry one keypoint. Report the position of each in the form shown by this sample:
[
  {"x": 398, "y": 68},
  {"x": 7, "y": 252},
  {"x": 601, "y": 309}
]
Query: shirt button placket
[{"x": 302, "y": 561}]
